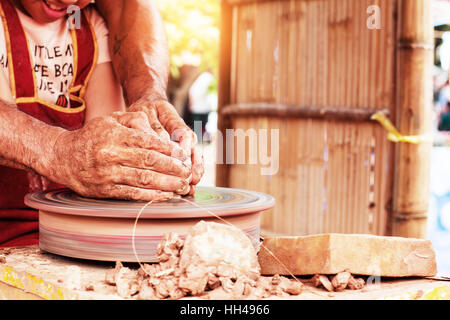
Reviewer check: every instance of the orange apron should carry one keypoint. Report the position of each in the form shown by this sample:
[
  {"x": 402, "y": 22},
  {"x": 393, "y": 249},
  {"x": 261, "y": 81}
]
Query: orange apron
[{"x": 19, "y": 224}]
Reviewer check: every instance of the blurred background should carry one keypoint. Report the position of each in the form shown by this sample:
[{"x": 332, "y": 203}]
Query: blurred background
[
  {"x": 439, "y": 213},
  {"x": 192, "y": 28},
  {"x": 193, "y": 31}
]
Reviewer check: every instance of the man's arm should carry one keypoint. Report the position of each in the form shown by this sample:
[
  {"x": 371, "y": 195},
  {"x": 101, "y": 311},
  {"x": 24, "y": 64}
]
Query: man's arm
[
  {"x": 139, "y": 47},
  {"x": 96, "y": 160},
  {"x": 28, "y": 148},
  {"x": 103, "y": 94},
  {"x": 141, "y": 60}
]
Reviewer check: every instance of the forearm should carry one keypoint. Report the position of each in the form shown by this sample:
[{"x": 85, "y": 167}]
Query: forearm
[
  {"x": 13, "y": 164},
  {"x": 25, "y": 142},
  {"x": 103, "y": 94},
  {"x": 139, "y": 47}
]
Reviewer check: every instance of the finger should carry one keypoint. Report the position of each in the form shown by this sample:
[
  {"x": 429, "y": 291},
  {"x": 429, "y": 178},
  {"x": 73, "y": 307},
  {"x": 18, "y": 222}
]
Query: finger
[
  {"x": 174, "y": 125},
  {"x": 134, "y": 120},
  {"x": 177, "y": 128},
  {"x": 185, "y": 191},
  {"x": 169, "y": 117},
  {"x": 192, "y": 190},
  {"x": 178, "y": 152},
  {"x": 144, "y": 140},
  {"x": 156, "y": 125},
  {"x": 150, "y": 124},
  {"x": 164, "y": 120},
  {"x": 132, "y": 193},
  {"x": 186, "y": 140},
  {"x": 150, "y": 160},
  {"x": 148, "y": 179},
  {"x": 198, "y": 168},
  {"x": 138, "y": 120}
]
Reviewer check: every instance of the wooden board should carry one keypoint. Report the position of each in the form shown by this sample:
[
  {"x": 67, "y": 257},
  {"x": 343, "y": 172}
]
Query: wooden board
[
  {"x": 30, "y": 273},
  {"x": 359, "y": 254}
]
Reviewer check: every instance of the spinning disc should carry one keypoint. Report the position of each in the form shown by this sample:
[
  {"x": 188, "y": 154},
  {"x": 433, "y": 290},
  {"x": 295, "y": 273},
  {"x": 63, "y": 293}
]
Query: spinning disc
[{"x": 102, "y": 229}]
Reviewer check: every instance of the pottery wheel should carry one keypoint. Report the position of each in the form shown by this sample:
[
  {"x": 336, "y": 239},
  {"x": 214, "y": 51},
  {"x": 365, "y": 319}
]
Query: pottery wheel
[{"x": 102, "y": 229}]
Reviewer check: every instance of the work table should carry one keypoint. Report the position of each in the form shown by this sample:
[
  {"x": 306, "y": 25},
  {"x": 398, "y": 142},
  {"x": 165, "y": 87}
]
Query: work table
[{"x": 29, "y": 273}]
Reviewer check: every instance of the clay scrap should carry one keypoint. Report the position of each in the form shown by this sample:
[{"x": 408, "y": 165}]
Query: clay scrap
[
  {"x": 215, "y": 261},
  {"x": 3, "y": 253},
  {"x": 359, "y": 254},
  {"x": 338, "y": 282}
]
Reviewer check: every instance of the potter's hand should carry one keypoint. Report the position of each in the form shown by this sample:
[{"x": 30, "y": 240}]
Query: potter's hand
[
  {"x": 119, "y": 157},
  {"x": 165, "y": 121}
]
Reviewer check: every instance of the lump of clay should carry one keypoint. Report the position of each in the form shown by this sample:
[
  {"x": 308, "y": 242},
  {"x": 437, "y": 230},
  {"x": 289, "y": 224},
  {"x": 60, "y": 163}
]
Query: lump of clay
[
  {"x": 356, "y": 283},
  {"x": 124, "y": 279},
  {"x": 322, "y": 280},
  {"x": 216, "y": 245},
  {"x": 340, "y": 280},
  {"x": 215, "y": 261},
  {"x": 168, "y": 251}
]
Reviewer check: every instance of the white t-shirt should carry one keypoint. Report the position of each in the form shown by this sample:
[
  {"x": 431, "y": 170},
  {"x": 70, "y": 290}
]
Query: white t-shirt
[{"x": 51, "y": 52}]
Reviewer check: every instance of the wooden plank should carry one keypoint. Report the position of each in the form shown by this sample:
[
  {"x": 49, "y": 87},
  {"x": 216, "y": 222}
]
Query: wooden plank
[
  {"x": 52, "y": 277},
  {"x": 359, "y": 254},
  {"x": 8, "y": 292},
  {"x": 43, "y": 270}
]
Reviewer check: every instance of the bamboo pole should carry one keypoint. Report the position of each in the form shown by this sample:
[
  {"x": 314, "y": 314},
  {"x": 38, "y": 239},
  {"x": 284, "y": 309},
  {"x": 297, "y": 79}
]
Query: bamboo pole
[
  {"x": 358, "y": 114},
  {"x": 222, "y": 176},
  {"x": 414, "y": 98},
  {"x": 389, "y": 86}
]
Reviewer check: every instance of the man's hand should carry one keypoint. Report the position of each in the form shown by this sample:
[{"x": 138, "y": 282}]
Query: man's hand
[
  {"x": 140, "y": 51},
  {"x": 169, "y": 126},
  {"x": 119, "y": 157}
]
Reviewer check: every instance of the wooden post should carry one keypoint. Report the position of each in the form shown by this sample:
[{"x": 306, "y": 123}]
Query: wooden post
[
  {"x": 413, "y": 117},
  {"x": 226, "y": 31}
]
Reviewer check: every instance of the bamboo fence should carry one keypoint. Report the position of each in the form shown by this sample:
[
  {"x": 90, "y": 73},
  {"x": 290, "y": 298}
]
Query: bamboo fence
[{"x": 316, "y": 72}]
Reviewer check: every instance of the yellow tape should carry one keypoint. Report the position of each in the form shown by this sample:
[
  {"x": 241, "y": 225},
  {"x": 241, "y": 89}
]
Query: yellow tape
[{"x": 394, "y": 135}]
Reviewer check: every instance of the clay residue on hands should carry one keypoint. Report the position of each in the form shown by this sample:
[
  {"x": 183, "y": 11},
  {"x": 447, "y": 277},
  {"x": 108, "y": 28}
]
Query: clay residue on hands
[
  {"x": 120, "y": 157},
  {"x": 215, "y": 261},
  {"x": 167, "y": 123}
]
